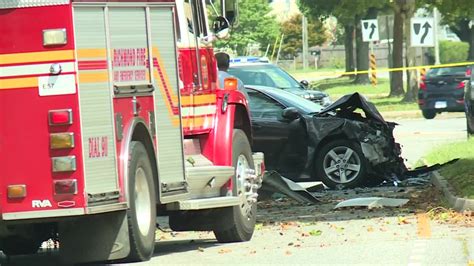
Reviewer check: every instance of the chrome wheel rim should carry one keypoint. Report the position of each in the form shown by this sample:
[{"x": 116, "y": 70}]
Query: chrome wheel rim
[
  {"x": 142, "y": 202},
  {"x": 342, "y": 164},
  {"x": 243, "y": 186}
]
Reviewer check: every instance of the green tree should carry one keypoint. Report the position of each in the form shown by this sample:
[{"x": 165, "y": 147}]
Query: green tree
[
  {"x": 457, "y": 15},
  {"x": 292, "y": 29},
  {"x": 256, "y": 26},
  {"x": 349, "y": 13}
]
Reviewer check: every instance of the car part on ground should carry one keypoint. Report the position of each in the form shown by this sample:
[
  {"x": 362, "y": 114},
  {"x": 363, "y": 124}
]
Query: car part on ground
[
  {"x": 442, "y": 90},
  {"x": 372, "y": 202},
  {"x": 273, "y": 182}
]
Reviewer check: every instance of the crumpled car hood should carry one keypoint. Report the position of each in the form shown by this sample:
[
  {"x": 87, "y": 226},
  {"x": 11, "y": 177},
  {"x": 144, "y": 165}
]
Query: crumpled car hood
[{"x": 344, "y": 118}]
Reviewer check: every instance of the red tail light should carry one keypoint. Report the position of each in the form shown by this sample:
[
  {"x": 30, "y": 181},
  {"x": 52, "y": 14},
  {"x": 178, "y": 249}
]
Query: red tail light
[
  {"x": 60, "y": 117},
  {"x": 460, "y": 85},
  {"x": 468, "y": 72},
  {"x": 422, "y": 86}
]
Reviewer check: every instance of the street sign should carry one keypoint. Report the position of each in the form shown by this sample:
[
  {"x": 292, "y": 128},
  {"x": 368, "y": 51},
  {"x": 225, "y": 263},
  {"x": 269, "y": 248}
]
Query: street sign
[
  {"x": 422, "y": 32},
  {"x": 370, "y": 30}
]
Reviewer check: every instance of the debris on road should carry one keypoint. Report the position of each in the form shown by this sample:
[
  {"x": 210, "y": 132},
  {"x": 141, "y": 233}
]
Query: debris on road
[
  {"x": 372, "y": 202},
  {"x": 274, "y": 182}
]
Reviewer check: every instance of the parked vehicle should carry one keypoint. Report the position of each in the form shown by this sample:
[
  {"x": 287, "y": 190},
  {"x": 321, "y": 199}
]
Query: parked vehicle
[
  {"x": 260, "y": 72},
  {"x": 442, "y": 90},
  {"x": 469, "y": 102},
  {"x": 108, "y": 122},
  {"x": 335, "y": 145}
]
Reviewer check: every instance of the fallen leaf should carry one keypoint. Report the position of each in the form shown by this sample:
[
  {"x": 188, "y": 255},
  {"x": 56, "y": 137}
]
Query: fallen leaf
[
  {"x": 315, "y": 232},
  {"x": 288, "y": 252},
  {"x": 200, "y": 249},
  {"x": 290, "y": 244},
  {"x": 224, "y": 251},
  {"x": 253, "y": 252},
  {"x": 370, "y": 229},
  {"x": 403, "y": 220}
]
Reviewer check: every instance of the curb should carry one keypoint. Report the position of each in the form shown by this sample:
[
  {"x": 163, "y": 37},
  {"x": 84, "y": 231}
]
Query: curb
[{"x": 459, "y": 204}]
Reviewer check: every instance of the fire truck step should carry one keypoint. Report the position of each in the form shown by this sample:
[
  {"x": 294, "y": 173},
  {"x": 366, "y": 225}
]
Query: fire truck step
[
  {"x": 199, "y": 204},
  {"x": 207, "y": 181}
]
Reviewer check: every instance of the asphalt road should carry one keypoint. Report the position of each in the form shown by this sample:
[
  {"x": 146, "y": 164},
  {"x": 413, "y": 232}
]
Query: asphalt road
[
  {"x": 419, "y": 136},
  {"x": 290, "y": 233}
]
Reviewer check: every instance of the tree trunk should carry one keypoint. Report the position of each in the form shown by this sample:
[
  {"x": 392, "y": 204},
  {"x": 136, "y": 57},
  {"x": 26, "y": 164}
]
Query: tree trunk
[
  {"x": 396, "y": 81},
  {"x": 412, "y": 80},
  {"x": 349, "y": 48},
  {"x": 471, "y": 45},
  {"x": 362, "y": 55}
]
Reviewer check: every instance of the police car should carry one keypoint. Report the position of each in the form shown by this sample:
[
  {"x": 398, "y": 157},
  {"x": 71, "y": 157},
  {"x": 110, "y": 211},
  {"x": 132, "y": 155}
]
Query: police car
[{"x": 258, "y": 71}]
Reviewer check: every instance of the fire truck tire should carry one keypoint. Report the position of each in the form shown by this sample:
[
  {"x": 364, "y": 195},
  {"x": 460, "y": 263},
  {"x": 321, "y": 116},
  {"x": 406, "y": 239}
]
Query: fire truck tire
[
  {"x": 240, "y": 220},
  {"x": 15, "y": 245},
  {"x": 142, "y": 212}
]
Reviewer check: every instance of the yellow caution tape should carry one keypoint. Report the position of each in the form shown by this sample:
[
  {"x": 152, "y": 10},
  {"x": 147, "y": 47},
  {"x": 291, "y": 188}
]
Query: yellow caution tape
[{"x": 328, "y": 73}]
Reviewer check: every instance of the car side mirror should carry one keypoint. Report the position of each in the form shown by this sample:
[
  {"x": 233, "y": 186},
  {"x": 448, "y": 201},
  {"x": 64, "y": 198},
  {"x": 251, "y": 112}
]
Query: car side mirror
[
  {"x": 221, "y": 28},
  {"x": 305, "y": 83},
  {"x": 290, "y": 113}
]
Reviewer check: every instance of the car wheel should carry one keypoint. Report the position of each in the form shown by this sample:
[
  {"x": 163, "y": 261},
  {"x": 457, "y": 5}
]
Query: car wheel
[
  {"x": 428, "y": 114},
  {"x": 341, "y": 163},
  {"x": 241, "y": 218}
]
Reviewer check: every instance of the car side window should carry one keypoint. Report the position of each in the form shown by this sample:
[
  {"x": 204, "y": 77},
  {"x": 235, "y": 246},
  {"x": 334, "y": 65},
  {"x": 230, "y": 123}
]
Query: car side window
[{"x": 262, "y": 106}]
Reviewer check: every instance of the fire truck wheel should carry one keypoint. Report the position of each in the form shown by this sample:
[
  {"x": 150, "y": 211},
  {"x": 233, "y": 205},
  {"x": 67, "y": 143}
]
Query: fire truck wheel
[
  {"x": 241, "y": 218},
  {"x": 142, "y": 197}
]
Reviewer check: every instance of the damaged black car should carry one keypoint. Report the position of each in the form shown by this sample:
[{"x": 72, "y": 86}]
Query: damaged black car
[{"x": 348, "y": 144}]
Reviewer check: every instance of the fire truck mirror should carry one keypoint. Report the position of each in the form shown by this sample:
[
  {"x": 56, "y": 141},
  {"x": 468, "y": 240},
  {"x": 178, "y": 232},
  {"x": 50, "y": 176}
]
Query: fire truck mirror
[
  {"x": 221, "y": 28},
  {"x": 230, "y": 11}
]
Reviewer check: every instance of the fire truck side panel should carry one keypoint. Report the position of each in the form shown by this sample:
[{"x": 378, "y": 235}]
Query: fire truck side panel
[
  {"x": 28, "y": 91},
  {"x": 167, "y": 100},
  {"x": 95, "y": 94}
]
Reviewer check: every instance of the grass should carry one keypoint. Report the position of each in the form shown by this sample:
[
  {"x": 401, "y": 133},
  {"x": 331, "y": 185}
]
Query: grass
[
  {"x": 337, "y": 87},
  {"x": 311, "y": 70},
  {"x": 460, "y": 175}
]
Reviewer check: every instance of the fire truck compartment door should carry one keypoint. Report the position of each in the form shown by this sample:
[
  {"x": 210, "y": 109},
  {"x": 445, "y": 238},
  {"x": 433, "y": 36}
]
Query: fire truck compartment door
[
  {"x": 167, "y": 103},
  {"x": 96, "y": 106}
]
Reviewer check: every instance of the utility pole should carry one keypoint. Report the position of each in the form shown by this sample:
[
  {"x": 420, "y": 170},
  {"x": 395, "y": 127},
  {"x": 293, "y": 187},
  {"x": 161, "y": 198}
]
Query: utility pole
[
  {"x": 305, "y": 42},
  {"x": 435, "y": 28}
]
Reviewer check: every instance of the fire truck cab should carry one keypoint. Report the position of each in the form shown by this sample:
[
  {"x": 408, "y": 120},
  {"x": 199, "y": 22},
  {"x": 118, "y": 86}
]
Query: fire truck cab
[{"x": 111, "y": 114}]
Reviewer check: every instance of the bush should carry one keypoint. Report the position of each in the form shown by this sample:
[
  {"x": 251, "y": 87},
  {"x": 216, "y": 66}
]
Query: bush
[
  {"x": 336, "y": 62},
  {"x": 451, "y": 52}
]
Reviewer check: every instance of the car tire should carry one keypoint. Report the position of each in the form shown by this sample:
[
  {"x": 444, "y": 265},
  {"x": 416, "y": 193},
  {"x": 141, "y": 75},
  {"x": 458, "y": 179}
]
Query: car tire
[
  {"x": 142, "y": 212},
  {"x": 239, "y": 220},
  {"x": 428, "y": 114},
  {"x": 341, "y": 163}
]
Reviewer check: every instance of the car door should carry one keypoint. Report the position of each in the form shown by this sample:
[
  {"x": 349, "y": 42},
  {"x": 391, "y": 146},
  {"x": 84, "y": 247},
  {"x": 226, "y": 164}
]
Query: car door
[{"x": 270, "y": 130}]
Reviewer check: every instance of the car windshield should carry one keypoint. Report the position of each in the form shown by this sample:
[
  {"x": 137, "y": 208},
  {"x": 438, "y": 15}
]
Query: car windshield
[
  {"x": 447, "y": 71},
  {"x": 264, "y": 75},
  {"x": 292, "y": 100}
]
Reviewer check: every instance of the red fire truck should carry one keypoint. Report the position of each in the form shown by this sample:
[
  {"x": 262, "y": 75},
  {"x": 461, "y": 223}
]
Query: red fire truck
[{"x": 111, "y": 115}]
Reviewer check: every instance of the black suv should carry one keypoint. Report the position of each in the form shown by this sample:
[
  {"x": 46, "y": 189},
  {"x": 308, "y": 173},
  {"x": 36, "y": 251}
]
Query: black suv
[{"x": 442, "y": 90}]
